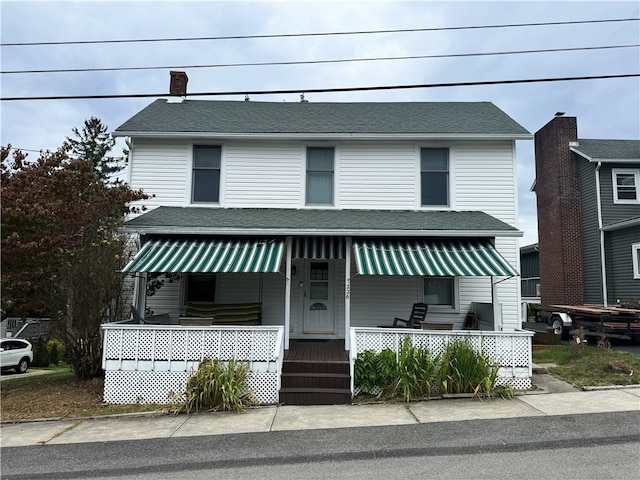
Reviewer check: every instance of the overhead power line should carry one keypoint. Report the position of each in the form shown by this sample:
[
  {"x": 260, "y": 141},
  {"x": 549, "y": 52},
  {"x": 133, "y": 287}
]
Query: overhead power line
[
  {"x": 326, "y": 90},
  {"x": 316, "y": 62},
  {"x": 317, "y": 34}
]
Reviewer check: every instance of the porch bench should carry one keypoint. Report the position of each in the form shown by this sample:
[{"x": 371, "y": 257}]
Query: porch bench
[{"x": 227, "y": 313}]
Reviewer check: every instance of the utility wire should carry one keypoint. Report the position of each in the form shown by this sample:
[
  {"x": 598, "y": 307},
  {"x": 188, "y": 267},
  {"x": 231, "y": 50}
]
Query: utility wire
[
  {"x": 326, "y": 90},
  {"x": 316, "y": 62},
  {"x": 318, "y": 34}
]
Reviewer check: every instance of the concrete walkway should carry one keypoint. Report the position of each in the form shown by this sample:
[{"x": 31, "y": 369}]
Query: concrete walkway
[{"x": 554, "y": 397}]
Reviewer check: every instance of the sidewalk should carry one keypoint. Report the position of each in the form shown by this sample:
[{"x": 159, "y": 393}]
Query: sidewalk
[{"x": 554, "y": 398}]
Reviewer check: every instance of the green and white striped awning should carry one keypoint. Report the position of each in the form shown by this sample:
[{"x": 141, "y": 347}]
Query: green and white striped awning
[
  {"x": 208, "y": 256},
  {"x": 434, "y": 258},
  {"x": 319, "y": 248}
]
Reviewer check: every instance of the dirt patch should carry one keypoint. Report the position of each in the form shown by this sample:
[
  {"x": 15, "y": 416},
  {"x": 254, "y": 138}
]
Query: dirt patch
[{"x": 59, "y": 394}]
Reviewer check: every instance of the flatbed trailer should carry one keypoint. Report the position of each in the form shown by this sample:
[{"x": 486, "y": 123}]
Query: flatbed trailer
[{"x": 595, "y": 320}]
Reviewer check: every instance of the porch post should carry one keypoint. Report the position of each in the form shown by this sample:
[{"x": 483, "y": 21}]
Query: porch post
[
  {"x": 497, "y": 313},
  {"x": 347, "y": 293},
  {"x": 140, "y": 292},
  {"x": 287, "y": 294}
]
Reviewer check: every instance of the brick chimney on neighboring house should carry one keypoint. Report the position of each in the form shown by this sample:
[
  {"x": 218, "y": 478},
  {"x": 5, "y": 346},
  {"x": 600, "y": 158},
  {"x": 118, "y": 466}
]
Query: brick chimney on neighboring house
[
  {"x": 558, "y": 202},
  {"x": 178, "y": 85}
]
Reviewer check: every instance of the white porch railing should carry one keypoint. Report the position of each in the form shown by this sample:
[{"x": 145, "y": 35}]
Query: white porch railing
[
  {"x": 151, "y": 363},
  {"x": 511, "y": 350}
]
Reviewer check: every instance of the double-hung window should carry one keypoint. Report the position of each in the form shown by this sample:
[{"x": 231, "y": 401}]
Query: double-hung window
[
  {"x": 320, "y": 163},
  {"x": 206, "y": 174},
  {"x": 434, "y": 176},
  {"x": 635, "y": 252},
  {"x": 626, "y": 185},
  {"x": 441, "y": 293}
]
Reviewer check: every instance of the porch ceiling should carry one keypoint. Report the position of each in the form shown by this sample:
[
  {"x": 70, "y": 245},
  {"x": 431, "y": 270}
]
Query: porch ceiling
[
  {"x": 319, "y": 222},
  {"x": 429, "y": 258},
  {"x": 208, "y": 256}
]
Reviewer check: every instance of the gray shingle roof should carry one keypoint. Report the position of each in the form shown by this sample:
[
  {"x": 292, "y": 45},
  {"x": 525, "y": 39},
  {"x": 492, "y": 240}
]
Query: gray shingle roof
[
  {"x": 609, "y": 149},
  {"x": 247, "y": 221},
  {"x": 232, "y": 117}
]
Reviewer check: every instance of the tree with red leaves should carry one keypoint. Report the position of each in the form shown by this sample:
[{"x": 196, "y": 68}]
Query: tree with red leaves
[{"x": 62, "y": 252}]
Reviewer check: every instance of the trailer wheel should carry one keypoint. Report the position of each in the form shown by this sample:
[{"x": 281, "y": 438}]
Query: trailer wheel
[{"x": 558, "y": 327}]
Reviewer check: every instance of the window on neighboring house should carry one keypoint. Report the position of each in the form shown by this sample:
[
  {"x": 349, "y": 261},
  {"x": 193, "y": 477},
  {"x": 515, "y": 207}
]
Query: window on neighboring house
[
  {"x": 434, "y": 176},
  {"x": 441, "y": 293},
  {"x": 635, "y": 251},
  {"x": 206, "y": 174},
  {"x": 320, "y": 175},
  {"x": 626, "y": 185},
  {"x": 201, "y": 288}
]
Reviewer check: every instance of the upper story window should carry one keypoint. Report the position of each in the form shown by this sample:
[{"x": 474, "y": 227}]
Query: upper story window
[
  {"x": 206, "y": 174},
  {"x": 434, "y": 176},
  {"x": 320, "y": 175},
  {"x": 626, "y": 186}
]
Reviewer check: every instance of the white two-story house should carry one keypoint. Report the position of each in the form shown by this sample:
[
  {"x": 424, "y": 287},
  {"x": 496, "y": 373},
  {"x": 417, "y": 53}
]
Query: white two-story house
[{"x": 327, "y": 216}]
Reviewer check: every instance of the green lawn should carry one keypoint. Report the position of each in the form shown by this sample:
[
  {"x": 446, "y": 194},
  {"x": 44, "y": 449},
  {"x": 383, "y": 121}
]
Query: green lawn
[{"x": 595, "y": 367}]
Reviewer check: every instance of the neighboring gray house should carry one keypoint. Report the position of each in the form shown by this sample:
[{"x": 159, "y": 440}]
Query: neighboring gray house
[
  {"x": 588, "y": 196},
  {"x": 530, "y": 273},
  {"x": 327, "y": 219}
]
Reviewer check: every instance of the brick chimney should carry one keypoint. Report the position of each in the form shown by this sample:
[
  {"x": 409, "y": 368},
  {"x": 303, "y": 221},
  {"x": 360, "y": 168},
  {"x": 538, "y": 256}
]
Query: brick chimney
[
  {"x": 558, "y": 201},
  {"x": 178, "y": 85}
]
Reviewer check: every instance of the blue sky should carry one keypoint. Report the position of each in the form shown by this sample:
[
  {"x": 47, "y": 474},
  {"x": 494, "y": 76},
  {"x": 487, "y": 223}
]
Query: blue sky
[{"x": 604, "y": 108}]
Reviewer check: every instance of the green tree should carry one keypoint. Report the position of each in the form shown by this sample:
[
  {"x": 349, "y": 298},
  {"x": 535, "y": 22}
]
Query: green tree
[
  {"x": 93, "y": 143},
  {"x": 62, "y": 252}
]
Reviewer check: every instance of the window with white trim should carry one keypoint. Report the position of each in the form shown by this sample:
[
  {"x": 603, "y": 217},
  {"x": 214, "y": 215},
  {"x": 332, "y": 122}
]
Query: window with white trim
[
  {"x": 206, "y": 174},
  {"x": 635, "y": 251},
  {"x": 626, "y": 185},
  {"x": 441, "y": 293},
  {"x": 434, "y": 177},
  {"x": 320, "y": 164}
]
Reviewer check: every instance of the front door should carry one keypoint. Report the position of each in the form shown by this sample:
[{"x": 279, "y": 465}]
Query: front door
[{"x": 318, "y": 302}]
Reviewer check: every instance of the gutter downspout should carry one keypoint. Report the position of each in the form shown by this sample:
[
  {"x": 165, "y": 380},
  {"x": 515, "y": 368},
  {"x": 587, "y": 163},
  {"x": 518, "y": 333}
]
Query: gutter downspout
[{"x": 603, "y": 263}]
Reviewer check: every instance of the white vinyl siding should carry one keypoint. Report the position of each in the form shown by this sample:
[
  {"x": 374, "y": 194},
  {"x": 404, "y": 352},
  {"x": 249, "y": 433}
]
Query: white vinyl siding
[
  {"x": 264, "y": 175},
  {"x": 377, "y": 300},
  {"x": 161, "y": 168},
  {"x": 377, "y": 176},
  {"x": 485, "y": 179}
]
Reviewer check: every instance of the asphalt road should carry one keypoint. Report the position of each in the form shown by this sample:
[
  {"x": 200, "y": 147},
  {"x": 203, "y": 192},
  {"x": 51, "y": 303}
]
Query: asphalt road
[{"x": 574, "y": 446}]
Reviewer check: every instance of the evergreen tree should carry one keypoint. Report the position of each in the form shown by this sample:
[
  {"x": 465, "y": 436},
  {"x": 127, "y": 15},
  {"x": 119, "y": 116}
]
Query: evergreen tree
[{"x": 93, "y": 144}]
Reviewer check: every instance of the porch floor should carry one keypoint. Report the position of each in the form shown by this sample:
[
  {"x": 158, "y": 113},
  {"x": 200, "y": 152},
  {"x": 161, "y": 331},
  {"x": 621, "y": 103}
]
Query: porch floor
[{"x": 316, "y": 351}]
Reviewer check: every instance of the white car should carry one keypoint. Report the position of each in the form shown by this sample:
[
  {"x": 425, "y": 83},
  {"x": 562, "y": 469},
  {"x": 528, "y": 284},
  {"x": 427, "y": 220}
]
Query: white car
[{"x": 15, "y": 353}]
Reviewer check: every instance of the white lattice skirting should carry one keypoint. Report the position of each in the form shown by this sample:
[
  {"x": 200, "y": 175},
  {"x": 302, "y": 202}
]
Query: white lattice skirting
[
  {"x": 151, "y": 363},
  {"x": 510, "y": 350}
]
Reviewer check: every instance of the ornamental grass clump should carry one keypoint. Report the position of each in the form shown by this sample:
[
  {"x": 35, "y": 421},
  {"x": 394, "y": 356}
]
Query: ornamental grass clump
[
  {"x": 417, "y": 372},
  {"x": 465, "y": 370},
  {"x": 217, "y": 385}
]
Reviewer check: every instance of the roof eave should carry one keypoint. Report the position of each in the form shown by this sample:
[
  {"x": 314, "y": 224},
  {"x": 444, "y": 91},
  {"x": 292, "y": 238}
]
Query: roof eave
[
  {"x": 604, "y": 160},
  {"x": 164, "y": 230},
  {"x": 325, "y": 136}
]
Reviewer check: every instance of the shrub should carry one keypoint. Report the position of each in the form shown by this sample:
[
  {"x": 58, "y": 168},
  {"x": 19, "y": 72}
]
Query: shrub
[
  {"x": 40, "y": 353},
  {"x": 56, "y": 350},
  {"x": 217, "y": 385},
  {"x": 375, "y": 372}
]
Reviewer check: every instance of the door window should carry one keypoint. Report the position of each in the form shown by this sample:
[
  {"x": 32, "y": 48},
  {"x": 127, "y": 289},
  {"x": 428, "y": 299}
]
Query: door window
[{"x": 319, "y": 281}]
